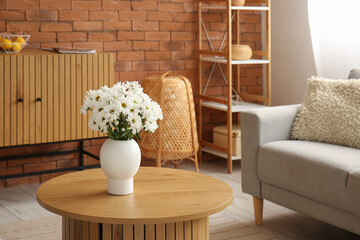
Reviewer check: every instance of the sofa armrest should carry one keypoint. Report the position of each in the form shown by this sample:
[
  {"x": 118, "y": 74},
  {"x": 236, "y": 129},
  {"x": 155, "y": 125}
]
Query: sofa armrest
[{"x": 257, "y": 128}]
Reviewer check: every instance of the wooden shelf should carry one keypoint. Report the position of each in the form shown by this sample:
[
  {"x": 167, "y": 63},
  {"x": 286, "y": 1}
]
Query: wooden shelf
[
  {"x": 231, "y": 69},
  {"x": 254, "y": 8},
  {"x": 218, "y": 153},
  {"x": 237, "y": 107},
  {"x": 234, "y": 62}
]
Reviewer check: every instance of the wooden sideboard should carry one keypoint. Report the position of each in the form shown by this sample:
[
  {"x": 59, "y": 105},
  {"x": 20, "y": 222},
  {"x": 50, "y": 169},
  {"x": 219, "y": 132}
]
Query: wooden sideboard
[{"x": 41, "y": 93}]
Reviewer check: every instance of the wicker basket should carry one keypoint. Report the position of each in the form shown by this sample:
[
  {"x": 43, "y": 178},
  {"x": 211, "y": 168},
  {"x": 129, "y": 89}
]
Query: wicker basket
[
  {"x": 14, "y": 45},
  {"x": 177, "y": 134},
  {"x": 241, "y": 52}
]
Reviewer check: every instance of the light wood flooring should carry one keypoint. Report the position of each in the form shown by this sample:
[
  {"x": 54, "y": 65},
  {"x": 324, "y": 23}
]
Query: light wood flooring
[{"x": 19, "y": 204}]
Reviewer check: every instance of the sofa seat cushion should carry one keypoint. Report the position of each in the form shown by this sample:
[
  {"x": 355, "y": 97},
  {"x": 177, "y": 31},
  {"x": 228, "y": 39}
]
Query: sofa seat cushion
[
  {"x": 352, "y": 195},
  {"x": 320, "y": 171}
]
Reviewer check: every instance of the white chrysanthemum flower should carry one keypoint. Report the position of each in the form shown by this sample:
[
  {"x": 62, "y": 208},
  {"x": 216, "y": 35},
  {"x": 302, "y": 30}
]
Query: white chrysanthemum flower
[
  {"x": 99, "y": 96},
  {"x": 105, "y": 88},
  {"x": 135, "y": 122},
  {"x": 119, "y": 87},
  {"x": 112, "y": 111},
  {"x": 89, "y": 100},
  {"x": 153, "y": 109},
  {"x": 83, "y": 109},
  {"x": 91, "y": 94},
  {"x": 134, "y": 87},
  {"x": 98, "y": 109},
  {"x": 102, "y": 121},
  {"x": 93, "y": 124},
  {"x": 125, "y": 104},
  {"x": 137, "y": 99},
  {"x": 150, "y": 126},
  {"x": 105, "y": 115}
]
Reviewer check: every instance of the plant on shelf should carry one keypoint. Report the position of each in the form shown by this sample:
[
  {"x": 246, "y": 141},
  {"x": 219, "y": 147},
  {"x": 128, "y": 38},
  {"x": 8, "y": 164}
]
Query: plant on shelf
[{"x": 121, "y": 111}]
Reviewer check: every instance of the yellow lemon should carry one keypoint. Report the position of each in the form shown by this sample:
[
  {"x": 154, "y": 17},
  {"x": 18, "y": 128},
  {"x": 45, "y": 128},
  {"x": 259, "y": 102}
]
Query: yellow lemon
[
  {"x": 6, "y": 44},
  {"x": 16, "y": 47},
  {"x": 19, "y": 39},
  {"x": 0, "y": 38}
]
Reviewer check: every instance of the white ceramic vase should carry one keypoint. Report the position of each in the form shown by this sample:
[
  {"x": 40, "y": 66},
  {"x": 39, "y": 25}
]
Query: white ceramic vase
[{"x": 120, "y": 161}]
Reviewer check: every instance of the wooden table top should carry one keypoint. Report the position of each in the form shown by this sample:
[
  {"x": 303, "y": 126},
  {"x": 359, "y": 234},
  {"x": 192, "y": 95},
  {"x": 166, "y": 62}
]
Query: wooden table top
[{"x": 161, "y": 195}]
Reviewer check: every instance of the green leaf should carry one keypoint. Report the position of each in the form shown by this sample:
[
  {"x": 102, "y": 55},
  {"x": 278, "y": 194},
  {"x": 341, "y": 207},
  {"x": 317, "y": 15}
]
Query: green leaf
[{"x": 138, "y": 136}]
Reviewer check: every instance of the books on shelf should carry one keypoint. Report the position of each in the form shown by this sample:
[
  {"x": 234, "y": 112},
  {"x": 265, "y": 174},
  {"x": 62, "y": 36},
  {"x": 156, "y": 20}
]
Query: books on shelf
[{"x": 72, "y": 50}]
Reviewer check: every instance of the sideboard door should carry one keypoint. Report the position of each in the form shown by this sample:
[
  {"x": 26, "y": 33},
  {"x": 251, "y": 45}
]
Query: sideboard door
[
  {"x": 11, "y": 101},
  {"x": 41, "y": 95}
]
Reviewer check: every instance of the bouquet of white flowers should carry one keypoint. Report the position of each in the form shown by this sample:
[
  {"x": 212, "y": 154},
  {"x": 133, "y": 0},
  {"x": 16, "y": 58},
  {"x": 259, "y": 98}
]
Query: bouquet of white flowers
[{"x": 122, "y": 111}]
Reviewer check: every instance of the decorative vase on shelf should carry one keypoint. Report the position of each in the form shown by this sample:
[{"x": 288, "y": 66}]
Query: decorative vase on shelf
[
  {"x": 241, "y": 52},
  {"x": 120, "y": 161},
  {"x": 238, "y": 3}
]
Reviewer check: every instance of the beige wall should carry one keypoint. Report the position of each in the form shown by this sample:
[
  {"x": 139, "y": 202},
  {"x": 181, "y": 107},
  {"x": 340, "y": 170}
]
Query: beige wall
[{"x": 292, "y": 55}]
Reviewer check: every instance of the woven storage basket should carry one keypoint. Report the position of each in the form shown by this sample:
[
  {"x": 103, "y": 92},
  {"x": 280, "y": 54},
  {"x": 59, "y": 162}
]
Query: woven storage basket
[{"x": 177, "y": 133}]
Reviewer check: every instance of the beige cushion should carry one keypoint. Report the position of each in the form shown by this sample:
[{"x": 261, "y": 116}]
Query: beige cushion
[
  {"x": 354, "y": 73},
  {"x": 330, "y": 112}
]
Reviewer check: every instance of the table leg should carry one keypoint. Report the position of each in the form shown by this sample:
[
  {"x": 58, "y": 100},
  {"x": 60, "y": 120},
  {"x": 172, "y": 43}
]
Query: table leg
[{"x": 197, "y": 229}]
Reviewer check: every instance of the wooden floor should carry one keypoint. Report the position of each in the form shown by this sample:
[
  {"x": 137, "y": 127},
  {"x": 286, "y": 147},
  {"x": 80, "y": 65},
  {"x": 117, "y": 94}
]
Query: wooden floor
[{"x": 19, "y": 204}]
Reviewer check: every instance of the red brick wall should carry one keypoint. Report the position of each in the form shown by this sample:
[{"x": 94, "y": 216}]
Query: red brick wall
[{"x": 148, "y": 36}]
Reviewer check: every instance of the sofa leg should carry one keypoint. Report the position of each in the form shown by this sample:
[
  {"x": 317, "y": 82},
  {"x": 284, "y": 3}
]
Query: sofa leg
[{"x": 258, "y": 210}]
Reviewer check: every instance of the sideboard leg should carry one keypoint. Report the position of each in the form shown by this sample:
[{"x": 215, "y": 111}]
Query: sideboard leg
[{"x": 81, "y": 152}]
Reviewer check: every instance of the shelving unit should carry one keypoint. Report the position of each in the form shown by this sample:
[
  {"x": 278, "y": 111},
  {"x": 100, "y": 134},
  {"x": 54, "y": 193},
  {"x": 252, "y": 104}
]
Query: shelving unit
[{"x": 232, "y": 74}]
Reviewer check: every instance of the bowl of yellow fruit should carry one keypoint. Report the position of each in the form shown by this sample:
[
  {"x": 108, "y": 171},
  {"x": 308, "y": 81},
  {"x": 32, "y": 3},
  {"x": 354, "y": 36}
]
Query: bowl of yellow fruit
[{"x": 13, "y": 43}]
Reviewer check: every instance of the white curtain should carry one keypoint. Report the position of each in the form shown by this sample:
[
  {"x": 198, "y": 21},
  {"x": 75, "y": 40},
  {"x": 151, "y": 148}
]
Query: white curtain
[{"x": 335, "y": 35}]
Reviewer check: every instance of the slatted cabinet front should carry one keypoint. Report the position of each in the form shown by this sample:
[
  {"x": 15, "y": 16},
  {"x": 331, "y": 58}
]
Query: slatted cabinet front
[{"x": 41, "y": 94}]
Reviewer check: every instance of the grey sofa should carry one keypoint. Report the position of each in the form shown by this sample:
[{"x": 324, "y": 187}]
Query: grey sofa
[{"x": 317, "y": 179}]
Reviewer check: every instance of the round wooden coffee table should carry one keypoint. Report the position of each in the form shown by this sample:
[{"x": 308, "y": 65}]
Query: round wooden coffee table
[{"x": 166, "y": 204}]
